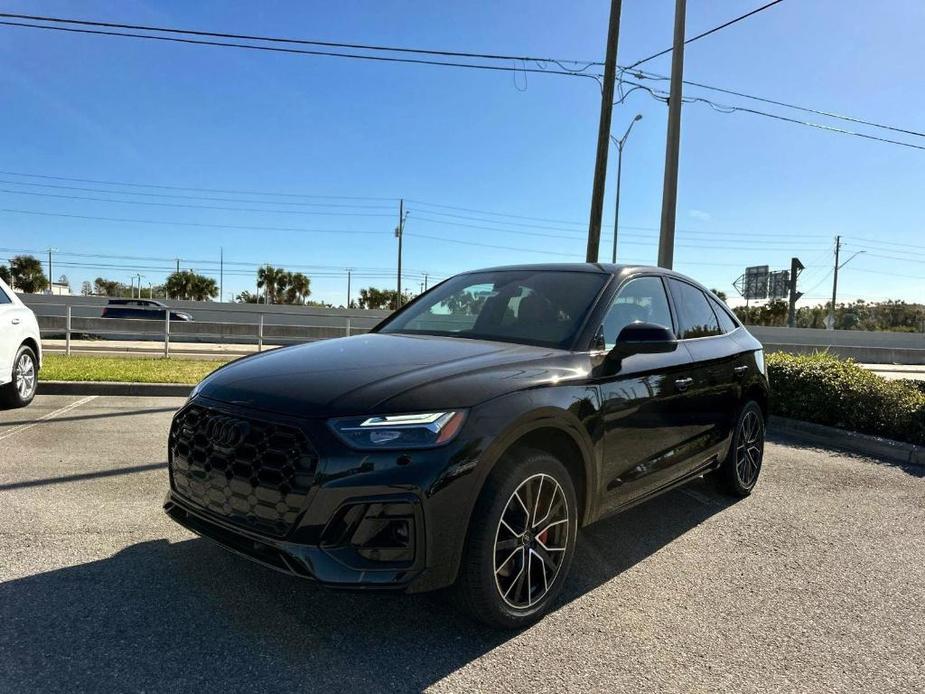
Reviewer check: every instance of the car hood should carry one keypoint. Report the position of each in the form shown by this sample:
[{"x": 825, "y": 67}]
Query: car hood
[{"x": 386, "y": 373}]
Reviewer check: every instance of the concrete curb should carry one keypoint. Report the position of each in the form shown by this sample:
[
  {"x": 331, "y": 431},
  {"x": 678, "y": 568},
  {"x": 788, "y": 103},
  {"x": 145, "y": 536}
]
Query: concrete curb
[
  {"x": 831, "y": 437},
  {"x": 178, "y": 390}
]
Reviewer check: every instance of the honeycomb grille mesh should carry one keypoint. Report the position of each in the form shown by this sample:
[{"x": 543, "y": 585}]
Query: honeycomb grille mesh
[{"x": 254, "y": 473}]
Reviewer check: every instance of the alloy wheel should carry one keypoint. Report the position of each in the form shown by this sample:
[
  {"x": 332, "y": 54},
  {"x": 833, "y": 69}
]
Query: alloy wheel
[
  {"x": 531, "y": 541},
  {"x": 25, "y": 376},
  {"x": 749, "y": 449}
]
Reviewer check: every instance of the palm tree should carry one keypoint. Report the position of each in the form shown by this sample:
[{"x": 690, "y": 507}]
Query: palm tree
[
  {"x": 298, "y": 289},
  {"x": 268, "y": 279},
  {"x": 202, "y": 288},
  {"x": 27, "y": 274},
  {"x": 188, "y": 285}
]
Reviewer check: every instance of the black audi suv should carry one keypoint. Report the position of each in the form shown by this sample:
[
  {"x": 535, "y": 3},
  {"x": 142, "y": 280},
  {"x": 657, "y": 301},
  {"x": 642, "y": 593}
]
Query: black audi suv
[{"x": 466, "y": 439}]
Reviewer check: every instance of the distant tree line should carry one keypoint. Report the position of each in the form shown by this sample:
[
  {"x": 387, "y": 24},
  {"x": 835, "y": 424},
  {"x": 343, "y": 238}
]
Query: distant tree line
[
  {"x": 374, "y": 298},
  {"x": 893, "y": 316}
]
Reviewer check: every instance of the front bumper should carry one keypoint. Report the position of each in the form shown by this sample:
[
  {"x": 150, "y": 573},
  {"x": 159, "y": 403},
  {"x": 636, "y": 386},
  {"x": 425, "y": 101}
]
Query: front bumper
[
  {"x": 335, "y": 566},
  {"x": 364, "y": 520}
]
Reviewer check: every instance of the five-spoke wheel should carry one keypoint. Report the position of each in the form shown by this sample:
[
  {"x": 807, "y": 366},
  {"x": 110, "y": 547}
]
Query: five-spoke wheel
[
  {"x": 531, "y": 540},
  {"x": 521, "y": 540}
]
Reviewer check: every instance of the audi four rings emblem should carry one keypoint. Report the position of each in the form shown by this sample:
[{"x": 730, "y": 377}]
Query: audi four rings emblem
[{"x": 226, "y": 432}]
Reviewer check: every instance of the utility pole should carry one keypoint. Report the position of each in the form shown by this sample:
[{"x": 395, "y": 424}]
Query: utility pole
[
  {"x": 51, "y": 277},
  {"x": 673, "y": 144},
  {"x": 831, "y": 325},
  {"x": 796, "y": 267},
  {"x": 603, "y": 133},
  {"x": 178, "y": 265},
  {"x": 221, "y": 273},
  {"x": 425, "y": 281},
  {"x": 349, "y": 270},
  {"x": 399, "y": 232}
]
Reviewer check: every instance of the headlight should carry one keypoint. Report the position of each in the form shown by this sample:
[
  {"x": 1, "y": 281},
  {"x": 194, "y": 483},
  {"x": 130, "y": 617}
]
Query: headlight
[{"x": 397, "y": 431}]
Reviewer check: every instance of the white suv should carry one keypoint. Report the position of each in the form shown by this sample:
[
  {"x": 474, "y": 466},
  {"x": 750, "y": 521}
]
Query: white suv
[{"x": 20, "y": 350}]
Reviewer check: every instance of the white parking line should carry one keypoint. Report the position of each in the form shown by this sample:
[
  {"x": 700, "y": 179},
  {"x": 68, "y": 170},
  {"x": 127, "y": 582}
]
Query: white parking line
[{"x": 50, "y": 415}]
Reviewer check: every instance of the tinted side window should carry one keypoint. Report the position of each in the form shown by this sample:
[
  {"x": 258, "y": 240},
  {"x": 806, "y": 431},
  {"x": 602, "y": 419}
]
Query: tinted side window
[
  {"x": 726, "y": 324},
  {"x": 642, "y": 299},
  {"x": 695, "y": 317},
  {"x": 4, "y": 299}
]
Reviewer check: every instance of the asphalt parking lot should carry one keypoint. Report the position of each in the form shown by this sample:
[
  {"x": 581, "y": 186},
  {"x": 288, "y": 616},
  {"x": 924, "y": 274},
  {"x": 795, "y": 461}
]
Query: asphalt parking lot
[{"x": 814, "y": 583}]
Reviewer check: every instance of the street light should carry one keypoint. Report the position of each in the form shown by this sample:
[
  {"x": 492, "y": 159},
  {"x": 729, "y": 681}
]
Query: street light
[{"x": 619, "y": 143}]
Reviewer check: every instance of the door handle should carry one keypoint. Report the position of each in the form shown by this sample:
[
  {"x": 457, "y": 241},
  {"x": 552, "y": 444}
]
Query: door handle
[
  {"x": 16, "y": 321},
  {"x": 683, "y": 384},
  {"x": 739, "y": 370}
]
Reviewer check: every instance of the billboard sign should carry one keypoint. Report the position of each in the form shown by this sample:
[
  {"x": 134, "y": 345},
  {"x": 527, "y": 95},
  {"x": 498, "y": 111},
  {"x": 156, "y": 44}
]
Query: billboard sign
[
  {"x": 779, "y": 284},
  {"x": 756, "y": 282}
]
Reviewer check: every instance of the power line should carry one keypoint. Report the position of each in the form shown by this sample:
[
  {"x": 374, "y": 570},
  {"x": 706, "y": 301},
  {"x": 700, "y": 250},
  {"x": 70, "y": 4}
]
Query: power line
[
  {"x": 304, "y": 42},
  {"x": 299, "y": 51},
  {"x": 642, "y": 74},
  {"x": 540, "y": 62},
  {"x": 200, "y": 261},
  {"x": 191, "y": 206},
  {"x": 663, "y": 97},
  {"x": 880, "y": 242},
  {"x": 195, "y": 197},
  {"x": 163, "y": 223},
  {"x": 189, "y": 188},
  {"x": 574, "y": 235},
  {"x": 712, "y": 234},
  {"x": 708, "y": 32}
]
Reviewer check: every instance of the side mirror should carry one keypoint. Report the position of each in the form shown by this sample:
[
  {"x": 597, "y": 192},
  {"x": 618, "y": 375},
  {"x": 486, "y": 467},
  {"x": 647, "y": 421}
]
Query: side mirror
[{"x": 644, "y": 338}]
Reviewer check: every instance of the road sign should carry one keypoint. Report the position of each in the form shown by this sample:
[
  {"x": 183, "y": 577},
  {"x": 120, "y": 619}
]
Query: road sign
[
  {"x": 779, "y": 284},
  {"x": 755, "y": 285}
]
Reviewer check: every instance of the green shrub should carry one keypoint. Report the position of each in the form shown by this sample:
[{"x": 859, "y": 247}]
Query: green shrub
[{"x": 824, "y": 389}]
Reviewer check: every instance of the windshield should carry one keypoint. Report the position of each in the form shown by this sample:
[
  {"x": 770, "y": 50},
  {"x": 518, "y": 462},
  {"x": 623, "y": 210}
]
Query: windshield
[{"x": 535, "y": 307}]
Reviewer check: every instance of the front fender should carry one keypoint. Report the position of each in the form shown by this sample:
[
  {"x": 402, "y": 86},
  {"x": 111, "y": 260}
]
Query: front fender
[{"x": 571, "y": 410}]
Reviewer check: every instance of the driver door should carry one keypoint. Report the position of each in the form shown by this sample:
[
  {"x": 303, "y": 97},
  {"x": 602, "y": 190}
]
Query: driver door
[{"x": 643, "y": 404}]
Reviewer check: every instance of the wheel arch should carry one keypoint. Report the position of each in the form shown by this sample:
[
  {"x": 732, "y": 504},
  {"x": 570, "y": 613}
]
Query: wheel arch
[
  {"x": 758, "y": 392},
  {"x": 553, "y": 433},
  {"x": 34, "y": 346}
]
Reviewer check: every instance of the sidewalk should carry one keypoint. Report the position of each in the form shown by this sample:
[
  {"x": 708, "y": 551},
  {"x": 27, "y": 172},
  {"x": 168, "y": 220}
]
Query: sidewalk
[{"x": 896, "y": 371}]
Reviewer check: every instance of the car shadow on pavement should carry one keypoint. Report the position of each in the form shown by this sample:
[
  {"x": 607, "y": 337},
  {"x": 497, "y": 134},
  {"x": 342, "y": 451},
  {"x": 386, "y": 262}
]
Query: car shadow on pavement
[
  {"x": 82, "y": 417},
  {"x": 162, "y": 616}
]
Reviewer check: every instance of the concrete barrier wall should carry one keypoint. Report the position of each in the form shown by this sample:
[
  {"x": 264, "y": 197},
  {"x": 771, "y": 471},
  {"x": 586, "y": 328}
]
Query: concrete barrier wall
[
  {"x": 195, "y": 331},
  {"x": 213, "y": 312},
  {"x": 867, "y": 347}
]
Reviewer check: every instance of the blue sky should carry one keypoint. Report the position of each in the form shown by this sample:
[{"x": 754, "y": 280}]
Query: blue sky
[{"x": 752, "y": 191}]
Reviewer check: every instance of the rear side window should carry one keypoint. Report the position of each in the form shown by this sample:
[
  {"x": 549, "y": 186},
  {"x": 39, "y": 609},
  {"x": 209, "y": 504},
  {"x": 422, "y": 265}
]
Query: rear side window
[
  {"x": 695, "y": 317},
  {"x": 4, "y": 299},
  {"x": 726, "y": 324},
  {"x": 640, "y": 300}
]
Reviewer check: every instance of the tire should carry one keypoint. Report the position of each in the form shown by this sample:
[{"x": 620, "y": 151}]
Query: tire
[
  {"x": 738, "y": 473},
  {"x": 499, "y": 584},
  {"x": 21, "y": 390}
]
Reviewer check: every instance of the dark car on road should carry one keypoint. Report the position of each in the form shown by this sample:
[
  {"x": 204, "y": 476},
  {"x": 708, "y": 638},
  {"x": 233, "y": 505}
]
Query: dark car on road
[
  {"x": 467, "y": 438},
  {"x": 145, "y": 309}
]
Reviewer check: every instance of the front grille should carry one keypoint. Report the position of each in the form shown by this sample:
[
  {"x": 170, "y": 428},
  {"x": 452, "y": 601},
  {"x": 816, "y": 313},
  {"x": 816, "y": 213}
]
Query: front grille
[{"x": 254, "y": 473}]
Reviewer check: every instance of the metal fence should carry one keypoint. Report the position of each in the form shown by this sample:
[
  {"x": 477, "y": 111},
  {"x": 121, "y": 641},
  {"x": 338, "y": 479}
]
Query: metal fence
[{"x": 73, "y": 322}]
